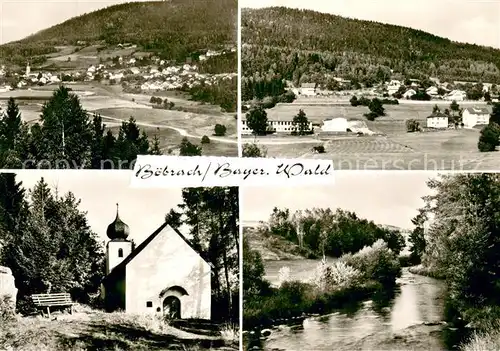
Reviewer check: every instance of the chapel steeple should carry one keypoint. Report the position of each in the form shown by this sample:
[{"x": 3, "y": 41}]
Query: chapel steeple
[{"x": 118, "y": 230}]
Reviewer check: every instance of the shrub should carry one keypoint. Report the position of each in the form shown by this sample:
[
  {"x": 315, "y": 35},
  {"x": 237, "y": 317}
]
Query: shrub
[
  {"x": 283, "y": 275},
  {"x": 7, "y": 310},
  {"x": 253, "y": 150},
  {"x": 220, "y": 130},
  {"x": 319, "y": 149},
  {"x": 336, "y": 276},
  {"x": 376, "y": 262},
  {"x": 205, "y": 140},
  {"x": 412, "y": 125}
]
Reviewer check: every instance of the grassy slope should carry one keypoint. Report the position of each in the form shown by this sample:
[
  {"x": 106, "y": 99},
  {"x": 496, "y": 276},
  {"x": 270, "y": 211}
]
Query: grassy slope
[
  {"x": 272, "y": 247},
  {"x": 92, "y": 330}
]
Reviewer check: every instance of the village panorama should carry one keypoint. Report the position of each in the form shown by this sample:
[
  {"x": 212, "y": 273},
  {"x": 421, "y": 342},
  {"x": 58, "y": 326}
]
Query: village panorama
[
  {"x": 137, "y": 78},
  {"x": 338, "y": 88}
]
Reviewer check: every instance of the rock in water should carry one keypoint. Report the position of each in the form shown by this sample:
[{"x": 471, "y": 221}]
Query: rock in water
[{"x": 7, "y": 285}]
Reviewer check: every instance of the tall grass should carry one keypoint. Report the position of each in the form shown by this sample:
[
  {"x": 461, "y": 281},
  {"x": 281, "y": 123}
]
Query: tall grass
[{"x": 483, "y": 341}]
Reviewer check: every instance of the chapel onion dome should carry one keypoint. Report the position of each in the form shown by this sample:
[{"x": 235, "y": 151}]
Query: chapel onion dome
[{"x": 118, "y": 229}]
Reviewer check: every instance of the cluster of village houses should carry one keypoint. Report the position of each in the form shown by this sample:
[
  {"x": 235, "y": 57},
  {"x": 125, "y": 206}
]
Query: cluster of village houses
[
  {"x": 155, "y": 77},
  {"x": 470, "y": 117},
  {"x": 394, "y": 86}
]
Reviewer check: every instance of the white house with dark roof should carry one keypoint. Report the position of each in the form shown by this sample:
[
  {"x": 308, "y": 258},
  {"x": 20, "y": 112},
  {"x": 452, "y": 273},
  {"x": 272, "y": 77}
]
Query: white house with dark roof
[
  {"x": 164, "y": 275},
  {"x": 308, "y": 89},
  {"x": 473, "y": 116},
  {"x": 338, "y": 124},
  {"x": 437, "y": 120},
  {"x": 457, "y": 95}
]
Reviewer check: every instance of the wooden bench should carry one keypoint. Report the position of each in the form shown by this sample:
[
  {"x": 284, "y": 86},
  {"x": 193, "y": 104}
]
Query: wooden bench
[{"x": 47, "y": 301}]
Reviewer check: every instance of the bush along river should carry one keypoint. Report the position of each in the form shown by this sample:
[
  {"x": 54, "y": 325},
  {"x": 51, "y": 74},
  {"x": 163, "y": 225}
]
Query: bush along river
[{"x": 411, "y": 317}]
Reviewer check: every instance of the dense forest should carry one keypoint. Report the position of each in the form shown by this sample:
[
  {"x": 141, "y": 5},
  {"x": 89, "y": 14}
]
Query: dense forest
[
  {"x": 173, "y": 29},
  {"x": 306, "y": 46}
]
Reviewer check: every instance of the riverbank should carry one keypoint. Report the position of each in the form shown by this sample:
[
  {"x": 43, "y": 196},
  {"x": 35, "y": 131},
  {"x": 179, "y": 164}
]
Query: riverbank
[
  {"x": 482, "y": 325},
  {"x": 426, "y": 272},
  {"x": 295, "y": 301}
]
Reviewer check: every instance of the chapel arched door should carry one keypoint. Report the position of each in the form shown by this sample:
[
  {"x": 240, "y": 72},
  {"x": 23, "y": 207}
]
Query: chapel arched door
[{"x": 172, "y": 307}]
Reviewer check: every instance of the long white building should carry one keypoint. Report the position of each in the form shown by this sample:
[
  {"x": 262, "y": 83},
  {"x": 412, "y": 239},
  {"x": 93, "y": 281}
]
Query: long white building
[{"x": 274, "y": 126}]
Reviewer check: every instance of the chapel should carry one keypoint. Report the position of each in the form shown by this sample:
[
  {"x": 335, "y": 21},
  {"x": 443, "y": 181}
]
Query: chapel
[{"x": 164, "y": 274}]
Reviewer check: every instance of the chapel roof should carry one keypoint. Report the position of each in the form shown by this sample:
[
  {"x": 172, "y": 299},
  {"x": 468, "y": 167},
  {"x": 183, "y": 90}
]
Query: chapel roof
[{"x": 146, "y": 242}]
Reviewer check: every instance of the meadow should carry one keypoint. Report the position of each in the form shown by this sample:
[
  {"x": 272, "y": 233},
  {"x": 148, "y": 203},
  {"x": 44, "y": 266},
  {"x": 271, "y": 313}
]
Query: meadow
[
  {"x": 88, "y": 329},
  {"x": 393, "y": 148},
  {"x": 189, "y": 119}
]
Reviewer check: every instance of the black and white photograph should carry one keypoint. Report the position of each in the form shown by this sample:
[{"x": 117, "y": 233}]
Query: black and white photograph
[
  {"x": 372, "y": 85},
  {"x": 378, "y": 261},
  {"x": 93, "y": 84},
  {"x": 89, "y": 263}
]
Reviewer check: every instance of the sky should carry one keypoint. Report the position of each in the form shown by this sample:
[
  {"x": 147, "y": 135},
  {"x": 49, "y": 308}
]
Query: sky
[
  {"x": 390, "y": 198},
  {"x": 469, "y": 21},
  {"x": 20, "y": 18},
  {"x": 142, "y": 209}
]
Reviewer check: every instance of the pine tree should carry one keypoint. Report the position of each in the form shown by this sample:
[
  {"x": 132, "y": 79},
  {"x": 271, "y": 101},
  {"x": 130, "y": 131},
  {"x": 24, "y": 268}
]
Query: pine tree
[
  {"x": 56, "y": 249},
  {"x": 155, "y": 146},
  {"x": 10, "y": 126},
  {"x": 187, "y": 148},
  {"x": 66, "y": 129}
]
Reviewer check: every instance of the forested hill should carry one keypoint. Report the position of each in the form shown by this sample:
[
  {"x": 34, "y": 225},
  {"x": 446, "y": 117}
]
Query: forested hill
[
  {"x": 176, "y": 26},
  {"x": 301, "y": 43}
]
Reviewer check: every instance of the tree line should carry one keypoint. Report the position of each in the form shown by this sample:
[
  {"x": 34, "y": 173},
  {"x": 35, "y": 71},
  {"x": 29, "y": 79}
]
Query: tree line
[
  {"x": 46, "y": 241},
  {"x": 331, "y": 233},
  {"x": 456, "y": 237}
]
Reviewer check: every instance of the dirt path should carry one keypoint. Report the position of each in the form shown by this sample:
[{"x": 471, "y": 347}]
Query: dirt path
[{"x": 181, "y": 131}]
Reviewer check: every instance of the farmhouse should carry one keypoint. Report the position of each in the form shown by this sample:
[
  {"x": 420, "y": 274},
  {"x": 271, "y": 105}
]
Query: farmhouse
[
  {"x": 393, "y": 86},
  {"x": 473, "y": 116},
  {"x": 275, "y": 127},
  {"x": 308, "y": 89},
  {"x": 335, "y": 125},
  {"x": 409, "y": 93},
  {"x": 165, "y": 274},
  {"x": 457, "y": 95},
  {"x": 437, "y": 120},
  {"x": 432, "y": 91}
]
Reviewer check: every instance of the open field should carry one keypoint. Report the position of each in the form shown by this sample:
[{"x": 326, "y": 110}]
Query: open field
[
  {"x": 318, "y": 111},
  {"x": 192, "y": 120},
  {"x": 391, "y": 149},
  {"x": 94, "y": 330}
]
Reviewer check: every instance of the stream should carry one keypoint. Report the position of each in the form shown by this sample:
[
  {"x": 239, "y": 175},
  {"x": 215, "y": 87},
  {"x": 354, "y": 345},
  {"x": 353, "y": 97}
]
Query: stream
[{"x": 408, "y": 318}]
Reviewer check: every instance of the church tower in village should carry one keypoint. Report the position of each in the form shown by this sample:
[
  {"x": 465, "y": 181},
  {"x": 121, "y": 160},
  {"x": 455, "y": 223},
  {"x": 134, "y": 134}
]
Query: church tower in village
[
  {"x": 28, "y": 69},
  {"x": 118, "y": 247}
]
